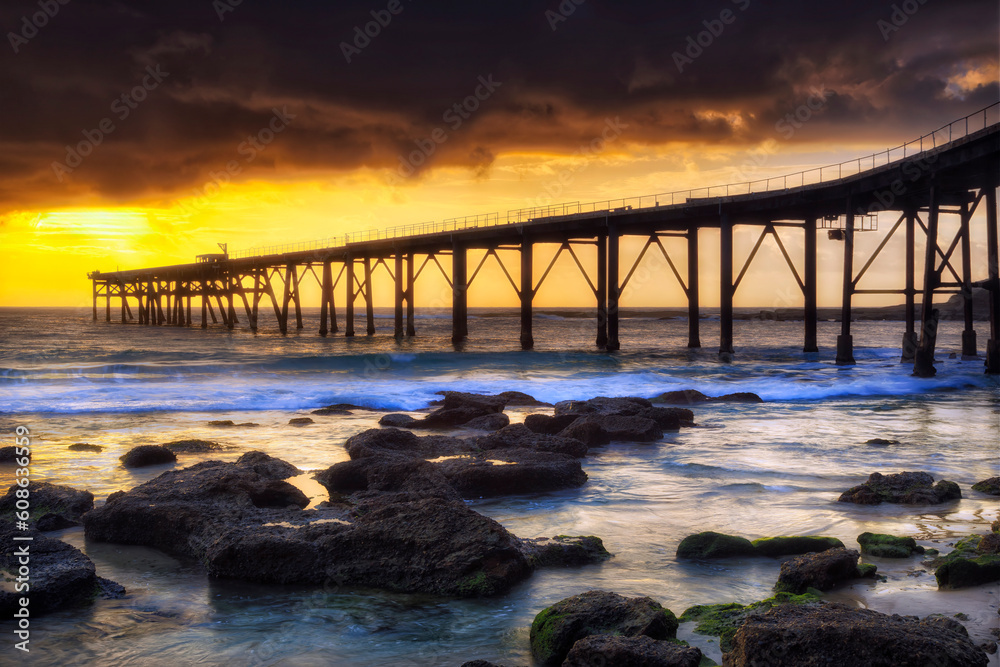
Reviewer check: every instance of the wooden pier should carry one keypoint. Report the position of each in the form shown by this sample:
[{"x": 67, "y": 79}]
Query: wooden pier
[{"x": 951, "y": 172}]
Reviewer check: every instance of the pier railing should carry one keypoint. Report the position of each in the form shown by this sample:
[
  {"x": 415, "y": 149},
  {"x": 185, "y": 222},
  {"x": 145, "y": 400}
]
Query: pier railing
[{"x": 974, "y": 122}]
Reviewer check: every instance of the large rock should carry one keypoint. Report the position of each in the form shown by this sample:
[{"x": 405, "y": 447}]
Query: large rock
[
  {"x": 267, "y": 466},
  {"x": 493, "y": 422},
  {"x": 564, "y": 550},
  {"x": 990, "y": 486},
  {"x": 459, "y": 408},
  {"x": 602, "y": 405},
  {"x": 888, "y": 546},
  {"x": 52, "y": 506},
  {"x": 548, "y": 424},
  {"x": 59, "y": 575},
  {"x": 714, "y": 545},
  {"x": 823, "y": 571},
  {"x": 630, "y": 652},
  {"x": 378, "y": 442},
  {"x": 974, "y": 561},
  {"x": 147, "y": 455},
  {"x": 626, "y": 428},
  {"x": 908, "y": 488},
  {"x": 831, "y": 634},
  {"x": 556, "y": 629},
  {"x": 243, "y": 524},
  {"x": 794, "y": 545},
  {"x": 722, "y": 620},
  {"x": 519, "y": 436},
  {"x": 587, "y": 431}
]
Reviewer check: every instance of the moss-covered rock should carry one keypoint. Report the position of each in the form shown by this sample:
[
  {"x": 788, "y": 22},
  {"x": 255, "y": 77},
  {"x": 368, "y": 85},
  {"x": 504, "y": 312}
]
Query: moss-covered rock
[
  {"x": 974, "y": 561},
  {"x": 795, "y": 545},
  {"x": 888, "y": 546},
  {"x": 556, "y": 628},
  {"x": 722, "y": 620},
  {"x": 990, "y": 486},
  {"x": 714, "y": 545}
]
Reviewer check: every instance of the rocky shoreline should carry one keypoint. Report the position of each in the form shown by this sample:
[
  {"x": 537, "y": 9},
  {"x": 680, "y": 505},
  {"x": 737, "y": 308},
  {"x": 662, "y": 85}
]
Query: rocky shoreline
[{"x": 396, "y": 520}]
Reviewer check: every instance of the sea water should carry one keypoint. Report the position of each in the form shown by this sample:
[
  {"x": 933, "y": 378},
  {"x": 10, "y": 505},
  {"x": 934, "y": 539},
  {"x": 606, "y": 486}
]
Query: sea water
[{"x": 774, "y": 468}]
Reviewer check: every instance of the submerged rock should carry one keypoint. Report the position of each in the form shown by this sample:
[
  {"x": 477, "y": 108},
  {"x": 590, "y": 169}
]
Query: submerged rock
[
  {"x": 301, "y": 421},
  {"x": 229, "y": 423},
  {"x": 60, "y": 575},
  {"x": 52, "y": 506},
  {"x": 888, "y": 546},
  {"x": 795, "y": 545},
  {"x": 10, "y": 455},
  {"x": 881, "y": 442},
  {"x": 85, "y": 447},
  {"x": 908, "y": 488},
  {"x": 833, "y": 634},
  {"x": 990, "y": 486},
  {"x": 823, "y": 571},
  {"x": 147, "y": 455},
  {"x": 564, "y": 550},
  {"x": 630, "y": 652},
  {"x": 193, "y": 446},
  {"x": 714, "y": 545},
  {"x": 690, "y": 396},
  {"x": 556, "y": 629}
]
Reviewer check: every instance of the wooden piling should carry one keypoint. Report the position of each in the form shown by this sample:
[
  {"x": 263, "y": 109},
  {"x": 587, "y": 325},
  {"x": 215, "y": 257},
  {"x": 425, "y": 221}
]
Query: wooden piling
[
  {"x": 614, "y": 290},
  {"x": 845, "y": 342},
  {"x": 969, "y": 332},
  {"x": 410, "y": 290},
  {"x": 809, "y": 285},
  {"x": 349, "y": 306},
  {"x": 399, "y": 294},
  {"x": 527, "y": 295},
  {"x": 694, "y": 307},
  {"x": 726, "y": 286},
  {"x": 910, "y": 340},
  {"x": 602, "y": 290},
  {"x": 369, "y": 297},
  {"x": 993, "y": 283},
  {"x": 460, "y": 294},
  {"x": 923, "y": 363}
]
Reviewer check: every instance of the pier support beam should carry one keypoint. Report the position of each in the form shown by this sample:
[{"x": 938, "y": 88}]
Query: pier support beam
[
  {"x": 459, "y": 294},
  {"x": 410, "y": 290},
  {"x": 349, "y": 305},
  {"x": 93, "y": 284},
  {"x": 845, "y": 341},
  {"x": 910, "y": 336},
  {"x": 204, "y": 305},
  {"x": 400, "y": 293},
  {"x": 809, "y": 283},
  {"x": 602, "y": 290},
  {"x": 726, "y": 287},
  {"x": 369, "y": 304},
  {"x": 694, "y": 307},
  {"x": 614, "y": 291},
  {"x": 107, "y": 302},
  {"x": 993, "y": 283},
  {"x": 121, "y": 290},
  {"x": 923, "y": 364},
  {"x": 527, "y": 295},
  {"x": 286, "y": 298},
  {"x": 969, "y": 333},
  {"x": 326, "y": 298}
]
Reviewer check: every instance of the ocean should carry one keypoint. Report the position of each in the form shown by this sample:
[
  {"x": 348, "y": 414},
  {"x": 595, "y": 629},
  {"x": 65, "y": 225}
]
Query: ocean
[{"x": 773, "y": 468}]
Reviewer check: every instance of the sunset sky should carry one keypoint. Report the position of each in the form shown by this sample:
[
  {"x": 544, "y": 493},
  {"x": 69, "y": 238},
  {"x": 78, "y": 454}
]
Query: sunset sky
[{"x": 139, "y": 134}]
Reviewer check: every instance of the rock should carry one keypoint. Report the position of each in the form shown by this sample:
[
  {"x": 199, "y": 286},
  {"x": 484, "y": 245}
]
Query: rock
[
  {"x": 61, "y": 575},
  {"x": 556, "y": 629},
  {"x": 880, "y": 441},
  {"x": 147, "y": 455},
  {"x": 602, "y": 405},
  {"x": 85, "y": 447},
  {"x": 193, "y": 446},
  {"x": 888, "y": 546},
  {"x": 398, "y": 420},
  {"x": 628, "y": 428},
  {"x": 669, "y": 419},
  {"x": 380, "y": 441},
  {"x": 267, "y": 466},
  {"x": 53, "y": 507},
  {"x": 512, "y": 471},
  {"x": 823, "y": 571},
  {"x": 974, "y": 561},
  {"x": 586, "y": 431},
  {"x": 908, "y": 488},
  {"x": 229, "y": 423},
  {"x": 833, "y": 634},
  {"x": 519, "y": 436},
  {"x": 10, "y": 455},
  {"x": 990, "y": 486},
  {"x": 301, "y": 421},
  {"x": 563, "y": 550},
  {"x": 630, "y": 652},
  {"x": 548, "y": 424},
  {"x": 739, "y": 397},
  {"x": 459, "y": 408},
  {"x": 410, "y": 478},
  {"x": 331, "y": 410},
  {"x": 480, "y": 663},
  {"x": 722, "y": 620},
  {"x": 714, "y": 545},
  {"x": 493, "y": 422},
  {"x": 520, "y": 399},
  {"x": 794, "y": 546},
  {"x": 681, "y": 397}
]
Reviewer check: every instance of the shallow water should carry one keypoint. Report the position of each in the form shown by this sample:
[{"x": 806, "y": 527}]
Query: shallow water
[{"x": 754, "y": 470}]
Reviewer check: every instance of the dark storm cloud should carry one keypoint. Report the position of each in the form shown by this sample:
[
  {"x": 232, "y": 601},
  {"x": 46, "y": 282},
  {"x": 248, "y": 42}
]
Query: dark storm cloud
[{"x": 563, "y": 69}]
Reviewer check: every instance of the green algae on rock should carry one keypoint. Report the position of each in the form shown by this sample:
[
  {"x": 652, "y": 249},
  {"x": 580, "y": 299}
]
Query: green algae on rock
[
  {"x": 888, "y": 546},
  {"x": 714, "y": 545},
  {"x": 795, "y": 545},
  {"x": 722, "y": 620}
]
